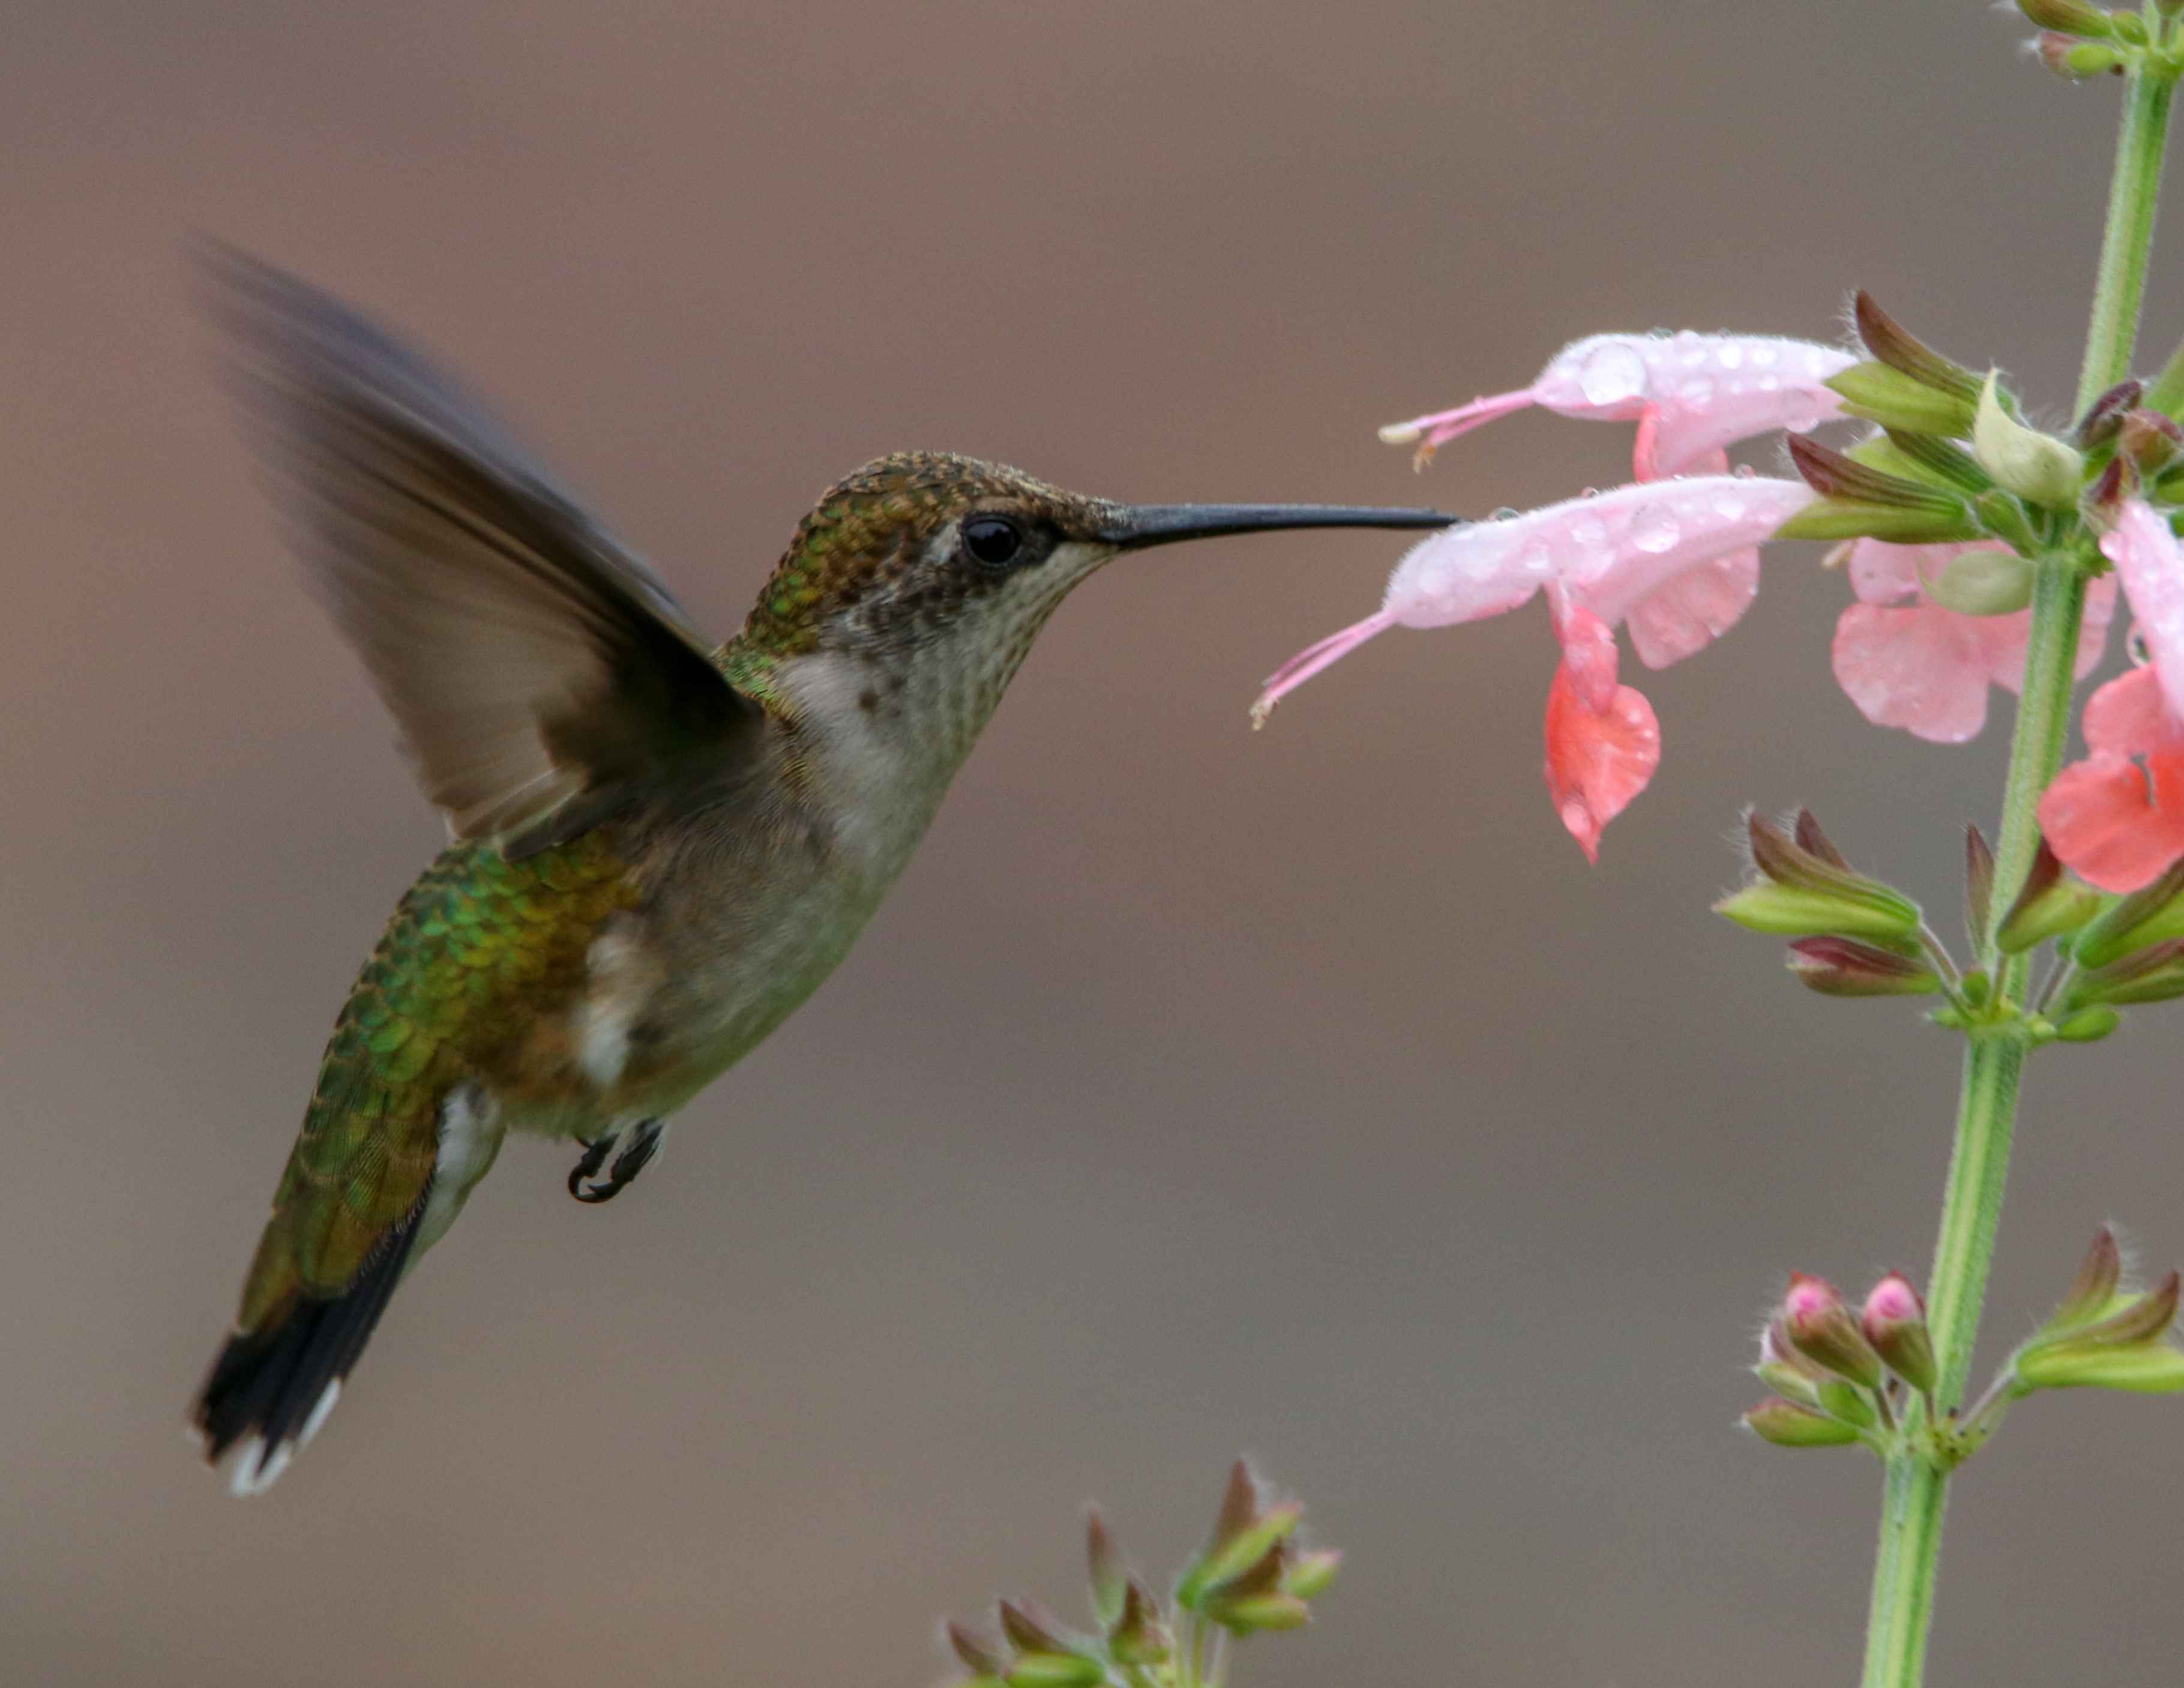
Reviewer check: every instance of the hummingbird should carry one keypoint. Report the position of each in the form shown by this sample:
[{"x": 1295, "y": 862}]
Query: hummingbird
[{"x": 659, "y": 846}]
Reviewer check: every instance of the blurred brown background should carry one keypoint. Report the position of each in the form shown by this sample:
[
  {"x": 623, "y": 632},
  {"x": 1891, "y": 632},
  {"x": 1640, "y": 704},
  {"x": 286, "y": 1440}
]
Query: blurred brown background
[{"x": 1303, "y": 1094}]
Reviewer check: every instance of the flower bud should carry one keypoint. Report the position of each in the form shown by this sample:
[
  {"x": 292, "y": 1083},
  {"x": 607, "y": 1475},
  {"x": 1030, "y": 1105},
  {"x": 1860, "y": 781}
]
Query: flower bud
[
  {"x": 2150, "y": 440},
  {"x": 2153, "y": 913},
  {"x": 1312, "y": 1573},
  {"x": 1803, "y": 893},
  {"x": 1821, "y": 1329},
  {"x": 2034, "y": 465},
  {"x": 1848, "y": 1402},
  {"x": 2126, "y": 1350},
  {"x": 1842, "y": 967},
  {"x": 1109, "y": 1580},
  {"x": 1139, "y": 1636},
  {"x": 2074, "y": 60},
  {"x": 2093, "y": 1290},
  {"x": 1788, "y": 1425},
  {"x": 2154, "y": 974},
  {"x": 2048, "y": 903},
  {"x": 1894, "y": 1321},
  {"x": 2088, "y": 1025},
  {"x": 1044, "y": 1659},
  {"x": 2103, "y": 417},
  {"x": 1901, "y": 403},
  {"x": 1978, "y": 884},
  {"x": 1243, "y": 1537},
  {"x": 1858, "y": 501},
  {"x": 2071, "y": 17},
  {"x": 1895, "y": 346},
  {"x": 1983, "y": 581},
  {"x": 980, "y": 1657}
]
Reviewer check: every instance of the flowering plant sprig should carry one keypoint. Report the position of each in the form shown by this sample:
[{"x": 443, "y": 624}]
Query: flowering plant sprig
[
  {"x": 1984, "y": 551},
  {"x": 1253, "y": 1577}
]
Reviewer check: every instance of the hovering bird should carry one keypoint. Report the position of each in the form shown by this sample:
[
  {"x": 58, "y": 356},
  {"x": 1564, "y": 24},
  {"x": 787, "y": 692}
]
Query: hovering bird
[{"x": 660, "y": 846}]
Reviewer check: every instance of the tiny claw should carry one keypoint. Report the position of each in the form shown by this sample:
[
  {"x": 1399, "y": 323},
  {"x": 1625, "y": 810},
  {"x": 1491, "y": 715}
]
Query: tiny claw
[
  {"x": 644, "y": 1144},
  {"x": 595, "y": 1156}
]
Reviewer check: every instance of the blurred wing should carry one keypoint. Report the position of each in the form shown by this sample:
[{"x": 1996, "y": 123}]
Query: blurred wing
[{"x": 538, "y": 670}]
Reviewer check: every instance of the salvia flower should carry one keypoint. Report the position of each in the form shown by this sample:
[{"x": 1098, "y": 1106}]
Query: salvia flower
[
  {"x": 2117, "y": 816},
  {"x": 1675, "y": 559},
  {"x": 1906, "y": 661},
  {"x": 1690, "y": 394}
]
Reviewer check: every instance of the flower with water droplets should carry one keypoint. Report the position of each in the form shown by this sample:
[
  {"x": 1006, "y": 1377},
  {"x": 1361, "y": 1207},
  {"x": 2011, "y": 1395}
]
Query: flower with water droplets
[
  {"x": 1677, "y": 560},
  {"x": 1690, "y": 394},
  {"x": 1906, "y": 661},
  {"x": 2117, "y": 816}
]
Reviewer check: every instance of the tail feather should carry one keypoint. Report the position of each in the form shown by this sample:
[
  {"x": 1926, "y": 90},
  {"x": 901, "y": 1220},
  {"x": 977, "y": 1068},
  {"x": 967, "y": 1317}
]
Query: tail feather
[{"x": 271, "y": 1387}]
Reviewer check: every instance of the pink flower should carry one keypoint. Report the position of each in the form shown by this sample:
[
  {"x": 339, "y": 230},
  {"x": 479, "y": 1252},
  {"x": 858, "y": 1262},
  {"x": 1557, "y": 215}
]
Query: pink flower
[
  {"x": 2117, "y": 817},
  {"x": 1690, "y": 394},
  {"x": 1926, "y": 669},
  {"x": 1675, "y": 558}
]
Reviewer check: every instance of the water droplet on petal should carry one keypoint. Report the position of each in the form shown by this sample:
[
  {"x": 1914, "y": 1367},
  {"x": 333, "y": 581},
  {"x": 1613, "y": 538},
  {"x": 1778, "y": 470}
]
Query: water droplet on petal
[
  {"x": 1590, "y": 492},
  {"x": 1589, "y": 534},
  {"x": 1613, "y": 373},
  {"x": 1507, "y": 513},
  {"x": 1762, "y": 355},
  {"x": 1536, "y": 558},
  {"x": 1727, "y": 506},
  {"x": 1654, "y": 529},
  {"x": 1730, "y": 355},
  {"x": 1660, "y": 334},
  {"x": 1745, "y": 471},
  {"x": 1798, "y": 425},
  {"x": 1697, "y": 390},
  {"x": 1768, "y": 383}
]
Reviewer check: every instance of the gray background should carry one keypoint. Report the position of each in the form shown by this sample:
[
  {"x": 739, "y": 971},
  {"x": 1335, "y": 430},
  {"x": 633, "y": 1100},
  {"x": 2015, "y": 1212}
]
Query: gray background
[{"x": 1303, "y": 1094}]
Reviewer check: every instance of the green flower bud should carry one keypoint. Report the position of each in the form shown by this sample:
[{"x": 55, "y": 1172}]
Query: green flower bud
[
  {"x": 2088, "y": 1025},
  {"x": 1896, "y": 347},
  {"x": 2153, "y": 914},
  {"x": 2155, "y": 1370},
  {"x": 1985, "y": 581},
  {"x": 1109, "y": 1580},
  {"x": 2071, "y": 16},
  {"x": 1312, "y": 1573},
  {"x": 1788, "y": 1425},
  {"x": 2049, "y": 903},
  {"x": 2074, "y": 60},
  {"x": 2035, "y": 466},
  {"x": 1841, "y": 967},
  {"x": 1848, "y": 1402}
]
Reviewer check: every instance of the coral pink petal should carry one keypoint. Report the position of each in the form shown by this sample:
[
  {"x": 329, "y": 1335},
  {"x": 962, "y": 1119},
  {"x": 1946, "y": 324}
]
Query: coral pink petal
[
  {"x": 1312, "y": 658},
  {"x": 2115, "y": 825},
  {"x": 1697, "y": 607},
  {"x": 1597, "y": 760},
  {"x": 1434, "y": 431},
  {"x": 2127, "y": 716},
  {"x": 1916, "y": 668},
  {"x": 1588, "y": 651}
]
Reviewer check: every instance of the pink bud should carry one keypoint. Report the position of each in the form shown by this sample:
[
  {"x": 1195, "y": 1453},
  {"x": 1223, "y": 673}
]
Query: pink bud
[
  {"x": 1822, "y": 1329},
  {"x": 1894, "y": 1321}
]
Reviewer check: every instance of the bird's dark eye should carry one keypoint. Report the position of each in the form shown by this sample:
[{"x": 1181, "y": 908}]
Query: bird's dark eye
[{"x": 993, "y": 540}]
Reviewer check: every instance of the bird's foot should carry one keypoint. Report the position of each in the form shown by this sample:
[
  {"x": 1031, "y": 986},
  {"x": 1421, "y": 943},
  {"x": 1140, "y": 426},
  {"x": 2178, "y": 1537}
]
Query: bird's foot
[{"x": 584, "y": 1181}]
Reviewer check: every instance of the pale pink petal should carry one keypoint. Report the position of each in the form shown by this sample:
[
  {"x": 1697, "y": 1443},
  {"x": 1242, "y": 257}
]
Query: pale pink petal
[
  {"x": 1921, "y": 668},
  {"x": 1311, "y": 659},
  {"x": 1598, "y": 759},
  {"x": 2151, "y": 564},
  {"x": 1705, "y": 391},
  {"x": 2116, "y": 823},
  {"x": 1695, "y": 608},
  {"x": 1881, "y": 572}
]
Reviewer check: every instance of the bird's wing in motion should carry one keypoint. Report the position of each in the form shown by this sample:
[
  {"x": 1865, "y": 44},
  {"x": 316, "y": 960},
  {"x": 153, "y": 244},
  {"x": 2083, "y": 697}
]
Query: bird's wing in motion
[{"x": 539, "y": 670}]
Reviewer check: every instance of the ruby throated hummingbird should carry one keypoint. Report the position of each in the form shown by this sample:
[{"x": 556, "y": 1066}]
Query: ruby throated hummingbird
[{"x": 660, "y": 846}]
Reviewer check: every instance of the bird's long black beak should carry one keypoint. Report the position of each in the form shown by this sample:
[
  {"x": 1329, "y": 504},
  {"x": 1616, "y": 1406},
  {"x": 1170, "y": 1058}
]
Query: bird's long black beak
[{"x": 1137, "y": 526}]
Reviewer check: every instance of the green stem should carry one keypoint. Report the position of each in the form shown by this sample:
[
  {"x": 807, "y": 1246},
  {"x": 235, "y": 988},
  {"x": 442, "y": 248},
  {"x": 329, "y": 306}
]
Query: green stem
[
  {"x": 1916, "y": 1495},
  {"x": 2127, "y": 242}
]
